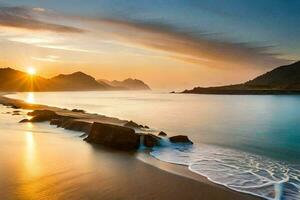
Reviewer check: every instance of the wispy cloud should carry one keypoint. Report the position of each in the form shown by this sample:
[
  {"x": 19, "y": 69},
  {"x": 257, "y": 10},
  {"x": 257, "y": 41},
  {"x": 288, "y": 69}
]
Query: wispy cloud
[
  {"x": 198, "y": 48},
  {"x": 24, "y": 18},
  {"x": 48, "y": 58},
  {"x": 201, "y": 48}
]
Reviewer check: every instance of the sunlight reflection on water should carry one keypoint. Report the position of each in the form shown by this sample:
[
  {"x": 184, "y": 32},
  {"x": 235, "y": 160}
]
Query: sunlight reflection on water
[{"x": 30, "y": 97}]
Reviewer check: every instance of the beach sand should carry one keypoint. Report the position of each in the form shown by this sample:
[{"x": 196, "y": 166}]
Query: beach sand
[{"x": 118, "y": 175}]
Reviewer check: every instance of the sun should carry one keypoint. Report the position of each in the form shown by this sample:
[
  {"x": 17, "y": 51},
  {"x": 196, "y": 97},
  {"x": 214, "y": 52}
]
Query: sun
[{"x": 31, "y": 71}]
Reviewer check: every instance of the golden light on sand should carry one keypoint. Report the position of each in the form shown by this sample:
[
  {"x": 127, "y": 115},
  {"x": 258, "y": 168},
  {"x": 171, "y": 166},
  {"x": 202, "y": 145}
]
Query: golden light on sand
[{"x": 31, "y": 71}]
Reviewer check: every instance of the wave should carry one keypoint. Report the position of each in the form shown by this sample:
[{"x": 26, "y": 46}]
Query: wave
[{"x": 237, "y": 170}]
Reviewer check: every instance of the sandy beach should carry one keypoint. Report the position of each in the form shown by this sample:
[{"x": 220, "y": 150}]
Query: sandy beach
[{"x": 114, "y": 175}]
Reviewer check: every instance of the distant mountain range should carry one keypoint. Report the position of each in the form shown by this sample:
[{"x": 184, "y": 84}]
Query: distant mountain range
[
  {"x": 14, "y": 80},
  {"x": 281, "y": 80},
  {"x": 127, "y": 84}
]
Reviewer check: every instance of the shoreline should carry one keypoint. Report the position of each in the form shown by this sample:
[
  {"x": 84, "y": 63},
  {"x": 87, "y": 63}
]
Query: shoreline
[{"x": 203, "y": 188}]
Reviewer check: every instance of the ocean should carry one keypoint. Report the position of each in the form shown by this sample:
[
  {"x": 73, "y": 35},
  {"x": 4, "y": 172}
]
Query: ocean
[{"x": 249, "y": 143}]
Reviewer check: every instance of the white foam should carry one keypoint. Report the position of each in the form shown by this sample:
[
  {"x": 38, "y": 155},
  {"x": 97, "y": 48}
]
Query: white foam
[{"x": 237, "y": 170}]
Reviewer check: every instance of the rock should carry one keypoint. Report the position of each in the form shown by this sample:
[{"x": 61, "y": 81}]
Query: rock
[
  {"x": 24, "y": 121},
  {"x": 78, "y": 110},
  {"x": 151, "y": 140},
  {"x": 180, "y": 139},
  {"x": 114, "y": 136},
  {"x": 15, "y": 106},
  {"x": 70, "y": 123},
  {"x": 56, "y": 122},
  {"x": 163, "y": 134},
  {"x": 42, "y": 115},
  {"x": 76, "y": 125},
  {"x": 146, "y": 127},
  {"x": 132, "y": 124},
  {"x": 42, "y": 112},
  {"x": 61, "y": 121}
]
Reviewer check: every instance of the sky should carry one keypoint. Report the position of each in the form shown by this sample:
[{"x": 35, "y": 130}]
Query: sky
[{"x": 173, "y": 44}]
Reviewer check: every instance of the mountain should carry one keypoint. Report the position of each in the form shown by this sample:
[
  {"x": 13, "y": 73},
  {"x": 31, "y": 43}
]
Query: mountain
[
  {"x": 18, "y": 81},
  {"x": 127, "y": 84},
  {"x": 281, "y": 80},
  {"x": 78, "y": 81},
  {"x": 284, "y": 77},
  {"x": 14, "y": 80}
]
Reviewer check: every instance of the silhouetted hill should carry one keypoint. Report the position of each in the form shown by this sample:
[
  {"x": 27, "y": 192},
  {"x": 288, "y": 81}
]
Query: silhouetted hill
[
  {"x": 78, "y": 81},
  {"x": 284, "y": 77},
  {"x": 127, "y": 84},
  {"x": 14, "y": 80},
  {"x": 281, "y": 80}
]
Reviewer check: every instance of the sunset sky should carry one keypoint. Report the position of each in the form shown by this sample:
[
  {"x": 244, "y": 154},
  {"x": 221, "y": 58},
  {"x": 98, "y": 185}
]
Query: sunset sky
[{"x": 166, "y": 43}]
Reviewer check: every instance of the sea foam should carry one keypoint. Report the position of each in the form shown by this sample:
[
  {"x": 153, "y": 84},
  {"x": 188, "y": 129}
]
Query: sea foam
[{"x": 240, "y": 171}]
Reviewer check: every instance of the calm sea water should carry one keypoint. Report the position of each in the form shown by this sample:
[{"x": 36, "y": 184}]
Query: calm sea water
[{"x": 247, "y": 143}]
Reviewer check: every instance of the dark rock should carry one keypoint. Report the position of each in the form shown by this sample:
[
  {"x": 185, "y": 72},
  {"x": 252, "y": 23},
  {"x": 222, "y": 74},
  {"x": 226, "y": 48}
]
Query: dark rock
[
  {"x": 151, "y": 140},
  {"x": 71, "y": 124},
  {"x": 132, "y": 124},
  {"x": 42, "y": 112},
  {"x": 78, "y": 110},
  {"x": 114, "y": 136},
  {"x": 42, "y": 115},
  {"x": 56, "y": 122},
  {"x": 180, "y": 139},
  {"x": 76, "y": 125},
  {"x": 59, "y": 122},
  {"x": 24, "y": 121},
  {"x": 162, "y": 134},
  {"x": 146, "y": 127},
  {"x": 15, "y": 106}
]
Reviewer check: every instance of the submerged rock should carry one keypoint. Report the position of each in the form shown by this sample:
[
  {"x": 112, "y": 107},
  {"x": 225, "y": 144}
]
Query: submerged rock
[
  {"x": 24, "y": 121},
  {"x": 163, "y": 134},
  {"x": 114, "y": 136},
  {"x": 180, "y": 139},
  {"x": 78, "y": 110},
  {"x": 151, "y": 140}
]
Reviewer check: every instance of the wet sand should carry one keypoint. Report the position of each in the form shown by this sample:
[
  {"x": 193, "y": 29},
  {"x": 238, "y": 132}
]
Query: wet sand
[{"x": 110, "y": 174}]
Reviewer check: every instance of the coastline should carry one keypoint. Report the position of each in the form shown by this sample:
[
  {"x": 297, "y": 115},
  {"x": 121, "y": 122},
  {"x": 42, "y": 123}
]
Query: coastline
[{"x": 149, "y": 169}]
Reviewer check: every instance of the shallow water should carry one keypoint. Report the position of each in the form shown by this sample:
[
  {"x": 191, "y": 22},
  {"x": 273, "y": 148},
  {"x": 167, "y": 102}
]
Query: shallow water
[
  {"x": 41, "y": 162},
  {"x": 248, "y": 143}
]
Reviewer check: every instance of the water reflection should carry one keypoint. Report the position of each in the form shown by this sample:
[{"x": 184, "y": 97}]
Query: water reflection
[
  {"x": 30, "y": 98},
  {"x": 31, "y": 166}
]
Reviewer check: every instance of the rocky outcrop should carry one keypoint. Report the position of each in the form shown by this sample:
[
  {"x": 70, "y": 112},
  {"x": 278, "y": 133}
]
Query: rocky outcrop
[
  {"x": 132, "y": 124},
  {"x": 72, "y": 124},
  {"x": 114, "y": 136},
  {"x": 180, "y": 139},
  {"x": 163, "y": 134},
  {"x": 41, "y": 116},
  {"x": 151, "y": 140}
]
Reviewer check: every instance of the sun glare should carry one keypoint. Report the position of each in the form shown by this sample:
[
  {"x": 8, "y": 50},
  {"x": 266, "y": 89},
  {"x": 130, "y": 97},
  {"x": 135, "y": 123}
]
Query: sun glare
[{"x": 31, "y": 71}]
